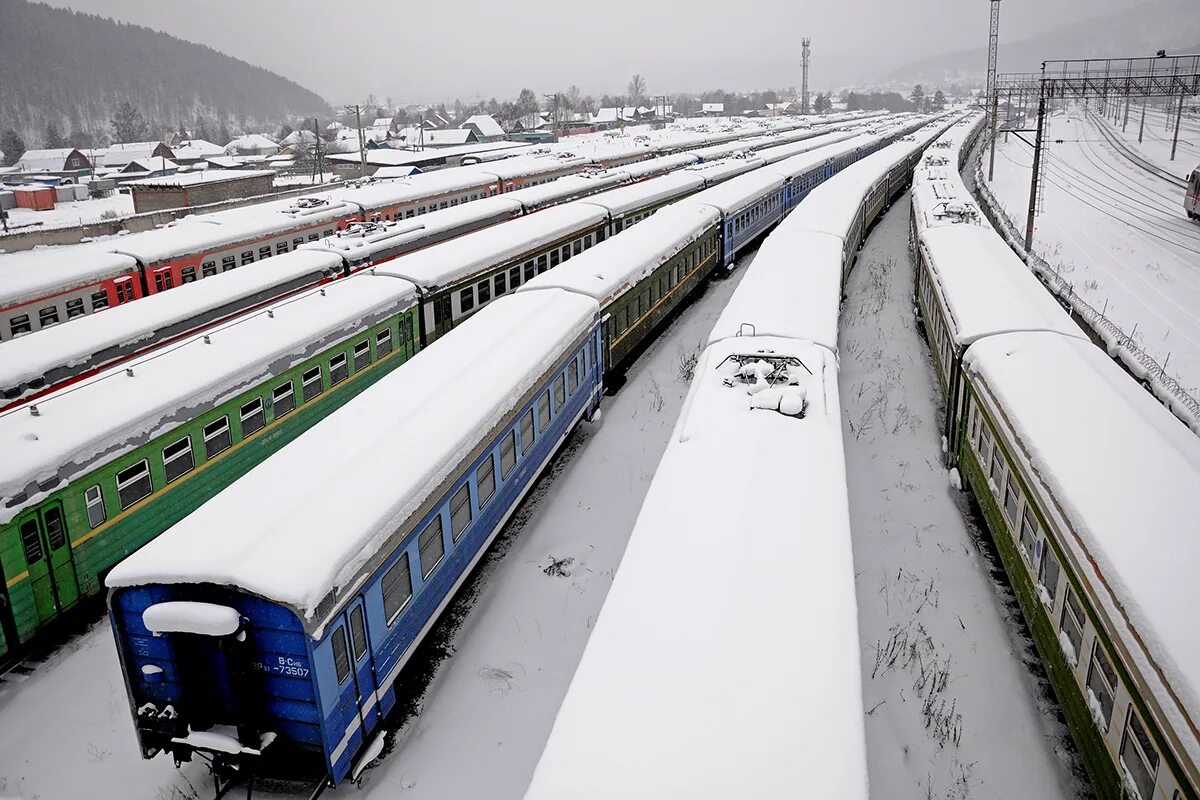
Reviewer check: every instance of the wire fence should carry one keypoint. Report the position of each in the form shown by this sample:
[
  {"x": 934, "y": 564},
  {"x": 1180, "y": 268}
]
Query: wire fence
[{"x": 1119, "y": 344}]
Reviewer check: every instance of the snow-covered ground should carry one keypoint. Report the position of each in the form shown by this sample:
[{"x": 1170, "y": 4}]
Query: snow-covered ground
[
  {"x": 1117, "y": 233},
  {"x": 954, "y": 708},
  {"x": 522, "y": 623},
  {"x": 80, "y": 212},
  {"x": 1156, "y": 138}
]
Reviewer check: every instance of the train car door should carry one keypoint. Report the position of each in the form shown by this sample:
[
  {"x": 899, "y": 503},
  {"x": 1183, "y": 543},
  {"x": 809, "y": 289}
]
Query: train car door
[
  {"x": 363, "y": 665},
  {"x": 443, "y": 315},
  {"x": 49, "y": 560}
]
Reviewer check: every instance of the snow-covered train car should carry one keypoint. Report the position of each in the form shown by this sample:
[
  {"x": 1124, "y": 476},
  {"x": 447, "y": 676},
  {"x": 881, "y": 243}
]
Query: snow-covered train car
[
  {"x": 1091, "y": 490},
  {"x": 753, "y": 475},
  {"x": 939, "y": 194},
  {"x": 32, "y": 365},
  {"x": 97, "y": 469},
  {"x": 249, "y": 634}
]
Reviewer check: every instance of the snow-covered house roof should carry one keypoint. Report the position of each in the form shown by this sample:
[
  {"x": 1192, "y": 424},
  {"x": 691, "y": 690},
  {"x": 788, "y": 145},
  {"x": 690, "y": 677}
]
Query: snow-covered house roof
[
  {"x": 613, "y": 114},
  {"x": 300, "y": 137},
  {"x": 196, "y": 150},
  {"x": 251, "y": 143},
  {"x": 57, "y": 159},
  {"x": 382, "y": 122},
  {"x": 119, "y": 155},
  {"x": 334, "y": 126},
  {"x": 713, "y": 108},
  {"x": 438, "y": 121},
  {"x": 484, "y": 124},
  {"x": 155, "y": 164}
]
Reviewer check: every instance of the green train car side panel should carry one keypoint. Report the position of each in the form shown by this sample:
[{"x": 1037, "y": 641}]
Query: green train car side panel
[
  {"x": 96, "y": 551},
  {"x": 1105, "y": 780}
]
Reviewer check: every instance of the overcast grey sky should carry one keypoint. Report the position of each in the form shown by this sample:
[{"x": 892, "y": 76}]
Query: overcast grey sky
[{"x": 428, "y": 50}]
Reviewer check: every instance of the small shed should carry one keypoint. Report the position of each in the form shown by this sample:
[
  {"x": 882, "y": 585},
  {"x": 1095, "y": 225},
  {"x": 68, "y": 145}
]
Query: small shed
[
  {"x": 712, "y": 108},
  {"x": 35, "y": 198},
  {"x": 188, "y": 189}
]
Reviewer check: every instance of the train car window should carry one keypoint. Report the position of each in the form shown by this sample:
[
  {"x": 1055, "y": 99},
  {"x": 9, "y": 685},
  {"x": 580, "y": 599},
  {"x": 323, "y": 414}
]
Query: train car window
[
  {"x": 1048, "y": 572},
  {"x": 530, "y": 271},
  {"x": 508, "y": 454},
  {"x": 577, "y": 247},
  {"x": 75, "y": 308},
  {"x": 99, "y": 300},
  {"x": 177, "y": 458},
  {"x": 283, "y": 399},
  {"x": 264, "y": 252},
  {"x": 217, "y": 437},
  {"x": 314, "y": 236},
  {"x": 997, "y": 470},
  {"x": 527, "y": 431},
  {"x": 253, "y": 416},
  {"x": 247, "y": 257},
  {"x": 1029, "y": 531},
  {"x": 383, "y": 343},
  {"x": 560, "y": 393},
  {"x": 358, "y": 633},
  {"x": 311, "y": 383},
  {"x": 31, "y": 541},
  {"x": 133, "y": 483},
  {"x": 587, "y": 242},
  {"x": 228, "y": 263},
  {"x": 499, "y": 283},
  {"x": 485, "y": 480},
  {"x": 544, "y": 411},
  {"x": 431, "y": 546},
  {"x": 466, "y": 299},
  {"x": 566, "y": 252},
  {"x": 188, "y": 274},
  {"x": 328, "y": 232},
  {"x": 485, "y": 292},
  {"x": 56, "y": 534},
  {"x": 460, "y": 511},
  {"x": 162, "y": 281},
  {"x": 48, "y": 316},
  {"x": 1138, "y": 755},
  {"x": 541, "y": 264},
  {"x": 572, "y": 377},
  {"x": 1011, "y": 499},
  {"x": 93, "y": 498},
  {"x": 1102, "y": 682},
  {"x": 341, "y": 656},
  {"x": 124, "y": 292},
  {"x": 299, "y": 240},
  {"x": 514, "y": 278},
  {"x": 362, "y": 354},
  {"x": 397, "y": 588},
  {"x": 553, "y": 259},
  {"x": 282, "y": 247},
  {"x": 338, "y": 369},
  {"x": 1072, "y": 620},
  {"x": 19, "y": 324}
]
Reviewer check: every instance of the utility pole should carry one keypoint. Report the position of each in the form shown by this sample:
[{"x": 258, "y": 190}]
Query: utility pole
[
  {"x": 1034, "y": 188},
  {"x": 1142, "y": 126},
  {"x": 1178, "y": 116},
  {"x": 553, "y": 99},
  {"x": 362, "y": 142},
  {"x": 805, "y": 57},
  {"x": 992, "y": 94}
]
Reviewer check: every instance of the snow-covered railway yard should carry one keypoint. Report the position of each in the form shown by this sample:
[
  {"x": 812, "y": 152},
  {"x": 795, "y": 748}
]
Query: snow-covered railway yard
[{"x": 1115, "y": 232}]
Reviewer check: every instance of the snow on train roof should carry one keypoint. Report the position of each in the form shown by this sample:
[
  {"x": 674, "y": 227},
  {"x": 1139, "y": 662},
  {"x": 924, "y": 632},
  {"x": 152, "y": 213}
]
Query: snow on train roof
[
  {"x": 654, "y": 709},
  {"x": 530, "y": 165},
  {"x": 568, "y": 186},
  {"x": 781, "y": 151},
  {"x": 1126, "y": 476},
  {"x": 377, "y": 194},
  {"x": 355, "y": 473},
  {"x": 43, "y": 271},
  {"x": 445, "y": 263},
  {"x": 625, "y": 199},
  {"x": 732, "y": 195},
  {"x": 792, "y": 289},
  {"x": 607, "y": 270},
  {"x": 358, "y": 241},
  {"x": 114, "y": 412},
  {"x": 28, "y": 357},
  {"x": 659, "y": 165},
  {"x": 714, "y": 172},
  {"x": 987, "y": 289}
]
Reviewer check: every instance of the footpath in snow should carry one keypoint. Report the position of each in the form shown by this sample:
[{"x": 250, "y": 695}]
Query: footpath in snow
[
  {"x": 1117, "y": 233},
  {"x": 955, "y": 707},
  {"x": 516, "y": 633}
]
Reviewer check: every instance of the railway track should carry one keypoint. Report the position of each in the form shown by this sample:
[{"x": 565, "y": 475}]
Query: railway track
[{"x": 1132, "y": 156}]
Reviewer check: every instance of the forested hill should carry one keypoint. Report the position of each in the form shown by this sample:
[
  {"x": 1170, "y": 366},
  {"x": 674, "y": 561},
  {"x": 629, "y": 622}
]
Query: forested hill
[{"x": 74, "y": 69}]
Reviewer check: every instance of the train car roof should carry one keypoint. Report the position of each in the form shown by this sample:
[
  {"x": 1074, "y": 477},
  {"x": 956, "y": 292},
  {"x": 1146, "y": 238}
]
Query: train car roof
[
  {"x": 1125, "y": 475},
  {"x": 378, "y": 194},
  {"x": 714, "y": 172},
  {"x": 532, "y": 165},
  {"x": 568, "y": 187},
  {"x": 359, "y": 241},
  {"x": 44, "y": 271},
  {"x": 609, "y": 269},
  {"x": 987, "y": 289},
  {"x": 659, "y": 165},
  {"x": 792, "y": 290},
  {"x": 732, "y": 195},
  {"x": 28, "y": 357},
  {"x": 114, "y": 412},
  {"x": 444, "y": 264},
  {"x": 625, "y": 199},
  {"x": 779, "y": 152},
  {"x": 355, "y": 472},
  {"x": 938, "y": 199},
  {"x": 651, "y": 711}
]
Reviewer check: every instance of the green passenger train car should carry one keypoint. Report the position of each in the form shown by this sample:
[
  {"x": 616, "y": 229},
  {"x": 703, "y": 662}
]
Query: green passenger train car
[{"x": 100, "y": 468}]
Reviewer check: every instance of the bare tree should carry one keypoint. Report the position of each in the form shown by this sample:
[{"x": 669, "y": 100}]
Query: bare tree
[{"x": 637, "y": 89}]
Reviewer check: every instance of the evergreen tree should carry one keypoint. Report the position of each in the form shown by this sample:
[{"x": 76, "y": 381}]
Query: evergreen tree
[
  {"x": 917, "y": 97},
  {"x": 285, "y": 131},
  {"x": 939, "y": 100},
  {"x": 54, "y": 137},
  {"x": 12, "y": 146},
  {"x": 128, "y": 124}
]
